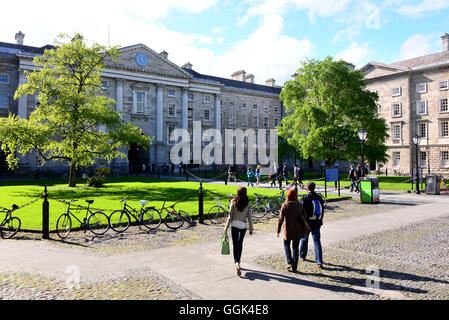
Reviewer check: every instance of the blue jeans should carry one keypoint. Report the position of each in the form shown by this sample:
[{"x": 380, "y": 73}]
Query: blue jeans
[
  {"x": 292, "y": 260},
  {"x": 250, "y": 180},
  {"x": 354, "y": 185},
  {"x": 316, "y": 236},
  {"x": 237, "y": 242}
]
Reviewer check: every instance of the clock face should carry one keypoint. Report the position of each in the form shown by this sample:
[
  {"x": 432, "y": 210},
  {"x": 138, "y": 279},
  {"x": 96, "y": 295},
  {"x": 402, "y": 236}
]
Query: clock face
[{"x": 141, "y": 59}]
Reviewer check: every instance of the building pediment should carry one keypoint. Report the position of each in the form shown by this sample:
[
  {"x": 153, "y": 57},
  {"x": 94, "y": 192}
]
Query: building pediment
[
  {"x": 141, "y": 58},
  {"x": 377, "y": 69}
]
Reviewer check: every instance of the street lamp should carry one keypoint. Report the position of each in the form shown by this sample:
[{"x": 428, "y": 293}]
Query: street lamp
[
  {"x": 416, "y": 139},
  {"x": 362, "y": 136}
]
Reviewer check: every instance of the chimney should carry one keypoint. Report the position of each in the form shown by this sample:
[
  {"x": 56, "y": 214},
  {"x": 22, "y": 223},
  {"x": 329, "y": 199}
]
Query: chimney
[
  {"x": 19, "y": 37},
  {"x": 445, "y": 41},
  {"x": 188, "y": 65},
  {"x": 239, "y": 75},
  {"x": 270, "y": 82},
  {"x": 249, "y": 78},
  {"x": 294, "y": 76},
  {"x": 164, "y": 54}
]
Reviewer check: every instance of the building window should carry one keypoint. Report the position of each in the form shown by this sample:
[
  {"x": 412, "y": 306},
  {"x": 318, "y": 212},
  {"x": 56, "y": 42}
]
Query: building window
[
  {"x": 244, "y": 120},
  {"x": 396, "y": 92},
  {"x": 266, "y": 108},
  {"x": 443, "y": 105},
  {"x": 256, "y": 121},
  {"x": 171, "y": 110},
  {"x": 421, "y": 107},
  {"x": 231, "y": 104},
  {"x": 170, "y": 129},
  {"x": 396, "y": 159},
  {"x": 255, "y": 107},
  {"x": 139, "y": 102},
  {"x": 4, "y": 78},
  {"x": 396, "y": 131},
  {"x": 445, "y": 158},
  {"x": 231, "y": 118},
  {"x": 445, "y": 129},
  {"x": 421, "y": 88},
  {"x": 206, "y": 99},
  {"x": 276, "y": 122},
  {"x": 276, "y": 109},
  {"x": 266, "y": 122},
  {"x": 3, "y": 100},
  {"x": 244, "y": 106},
  {"x": 422, "y": 130},
  {"x": 104, "y": 84},
  {"x": 422, "y": 158},
  {"x": 206, "y": 115},
  {"x": 190, "y": 96},
  {"x": 396, "y": 109},
  {"x": 190, "y": 113},
  {"x": 442, "y": 85},
  {"x": 171, "y": 93}
]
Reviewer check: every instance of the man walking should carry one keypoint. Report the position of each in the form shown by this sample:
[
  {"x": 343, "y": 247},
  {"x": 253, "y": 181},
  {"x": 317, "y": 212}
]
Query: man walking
[{"x": 353, "y": 177}]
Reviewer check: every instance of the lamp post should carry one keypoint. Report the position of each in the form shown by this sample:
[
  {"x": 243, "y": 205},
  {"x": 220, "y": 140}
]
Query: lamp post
[
  {"x": 416, "y": 139},
  {"x": 362, "y": 136}
]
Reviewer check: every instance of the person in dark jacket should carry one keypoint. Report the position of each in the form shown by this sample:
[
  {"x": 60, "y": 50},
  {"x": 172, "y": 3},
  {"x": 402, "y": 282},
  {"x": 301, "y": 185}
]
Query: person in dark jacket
[
  {"x": 314, "y": 206},
  {"x": 292, "y": 220},
  {"x": 353, "y": 177},
  {"x": 285, "y": 173}
]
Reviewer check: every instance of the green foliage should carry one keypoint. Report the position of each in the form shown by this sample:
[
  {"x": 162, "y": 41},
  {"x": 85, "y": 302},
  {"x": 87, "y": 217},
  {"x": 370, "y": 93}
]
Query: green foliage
[
  {"x": 65, "y": 125},
  {"x": 326, "y": 105},
  {"x": 96, "y": 181}
]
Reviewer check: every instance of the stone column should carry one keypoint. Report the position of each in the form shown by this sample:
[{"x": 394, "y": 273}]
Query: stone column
[
  {"x": 217, "y": 112},
  {"x": 119, "y": 96},
  {"x": 185, "y": 104},
  {"x": 159, "y": 113},
  {"x": 22, "y": 103}
]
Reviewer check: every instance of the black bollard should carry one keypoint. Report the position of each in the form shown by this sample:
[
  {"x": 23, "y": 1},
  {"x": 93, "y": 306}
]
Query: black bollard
[
  {"x": 226, "y": 177},
  {"x": 45, "y": 216},
  {"x": 187, "y": 174},
  {"x": 200, "y": 203}
]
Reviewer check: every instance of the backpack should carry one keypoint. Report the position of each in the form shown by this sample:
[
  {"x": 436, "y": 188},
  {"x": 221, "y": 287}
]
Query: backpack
[{"x": 317, "y": 211}]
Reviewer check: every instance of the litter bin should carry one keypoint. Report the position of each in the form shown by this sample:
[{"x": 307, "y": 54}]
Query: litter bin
[
  {"x": 369, "y": 189},
  {"x": 433, "y": 184}
]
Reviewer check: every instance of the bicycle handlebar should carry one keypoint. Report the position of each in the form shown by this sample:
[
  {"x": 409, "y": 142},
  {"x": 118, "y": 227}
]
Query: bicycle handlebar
[{"x": 125, "y": 198}]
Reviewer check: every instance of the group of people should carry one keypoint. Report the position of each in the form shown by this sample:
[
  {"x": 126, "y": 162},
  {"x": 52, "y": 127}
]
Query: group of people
[
  {"x": 297, "y": 219},
  {"x": 276, "y": 175},
  {"x": 354, "y": 175}
]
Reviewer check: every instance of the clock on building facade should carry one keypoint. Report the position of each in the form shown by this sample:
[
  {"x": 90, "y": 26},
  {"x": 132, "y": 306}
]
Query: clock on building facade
[{"x": 141, "y": 59}]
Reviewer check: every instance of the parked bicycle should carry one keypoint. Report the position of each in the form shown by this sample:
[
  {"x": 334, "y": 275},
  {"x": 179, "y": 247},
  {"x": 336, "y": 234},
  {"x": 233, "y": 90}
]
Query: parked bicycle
[
  {"x": 10, "y": 225},
  {"x": 120, "y": 220},
  {"x": 97, "y": 222},
  {"x": 219, "y": 210},
  {"x": 174, "y": 219},
  {"x": 263, "y": 205}
]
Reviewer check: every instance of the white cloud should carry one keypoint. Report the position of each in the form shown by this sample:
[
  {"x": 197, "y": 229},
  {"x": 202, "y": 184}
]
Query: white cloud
[
  {"x": 424, "y": 6},
  {"x": 419, "y": 45},
  {"x": 357, "y": 54}
]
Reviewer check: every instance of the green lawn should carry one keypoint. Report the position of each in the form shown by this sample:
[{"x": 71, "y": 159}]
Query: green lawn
[{"x": 108, "y": 197}]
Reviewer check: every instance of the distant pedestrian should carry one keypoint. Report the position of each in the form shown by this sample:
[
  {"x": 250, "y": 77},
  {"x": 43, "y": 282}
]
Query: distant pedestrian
[
  {"x": 250, "y": 174},
  {"x": 274, "y": 172},
  {"x": 258, "y": 174},
  {"x": 240, "y": 215},
  {"x": 292, "y": 220},
  {"x": 353, "y": 177},
  {"x": 285, "y": 173},
  {"x": 300, "y": 176},
  {"x": 314, "y": 206},
  {"x": 360, "y": 173}
]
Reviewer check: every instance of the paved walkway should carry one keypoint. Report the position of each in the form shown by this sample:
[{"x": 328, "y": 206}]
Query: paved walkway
[{"x": 201, "y": 268}]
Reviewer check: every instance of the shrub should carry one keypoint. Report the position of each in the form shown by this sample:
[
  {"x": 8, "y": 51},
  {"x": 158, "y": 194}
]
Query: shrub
[{"x": 95, "y": 181}]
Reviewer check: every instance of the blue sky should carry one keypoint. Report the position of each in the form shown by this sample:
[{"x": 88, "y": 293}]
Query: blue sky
[{"x": 268, "y": 38}]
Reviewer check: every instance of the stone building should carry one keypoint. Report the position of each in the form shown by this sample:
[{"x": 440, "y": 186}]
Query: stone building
[
  {"x": 153, "y": 93},
  {"x": 413, "y": 99}
]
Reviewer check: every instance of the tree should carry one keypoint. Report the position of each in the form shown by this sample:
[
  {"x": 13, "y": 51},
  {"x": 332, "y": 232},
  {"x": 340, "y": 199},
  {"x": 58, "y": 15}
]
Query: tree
[
  {"x": 69, "y": 120},
  {"x": 326, "y": 104}
]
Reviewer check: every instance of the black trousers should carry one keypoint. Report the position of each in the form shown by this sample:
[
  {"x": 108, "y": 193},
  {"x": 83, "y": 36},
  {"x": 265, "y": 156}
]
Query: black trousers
[{"x": 237, "y": 242}]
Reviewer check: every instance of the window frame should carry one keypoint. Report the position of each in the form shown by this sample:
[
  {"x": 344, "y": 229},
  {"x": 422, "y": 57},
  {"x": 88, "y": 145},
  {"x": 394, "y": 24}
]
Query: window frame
[
  {"x": 443, "y": 88},
  {"x": 396, "y": 94},
  {"x": 444, "y": 163},
  {"x": 442, "y": 127},
  {"x": 207, "y": 99},
  {"x": 396, "y": 158},
  {"x": 174, "y": 110},
  {"x": 7, "y": 78},
  {"x": 420, "y": 132},
  {"x": 208, "y": 114},
  {"x": 393, "y": 128},
  {"x": 169, "y": 91},
  {"x": 440, "y": 104},
  {"x": 6, "y": 95},
  {"x": 418, "y": 107},
  {"x": 393, "y": 114},
  {"x": 420, "y": 84},
  {"x": 421, "y": 159}
]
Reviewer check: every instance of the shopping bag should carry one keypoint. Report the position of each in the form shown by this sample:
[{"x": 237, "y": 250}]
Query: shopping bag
[{"x": 225, "y": 244}]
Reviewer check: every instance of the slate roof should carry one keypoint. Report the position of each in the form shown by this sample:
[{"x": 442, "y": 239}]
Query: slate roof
[
  {"x": 235, "y": 84},
  {"x": 424, "y": 61},
  {"x": 12, "y": 49}
]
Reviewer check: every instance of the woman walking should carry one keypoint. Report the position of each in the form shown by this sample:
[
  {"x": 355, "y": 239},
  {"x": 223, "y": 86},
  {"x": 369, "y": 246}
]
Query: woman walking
[
  {"x": 239, "y": 213},
  {"x": 292, "y": 220},
  {"x": 250, "y": 174},
  {"x": 258, "y": 174}
]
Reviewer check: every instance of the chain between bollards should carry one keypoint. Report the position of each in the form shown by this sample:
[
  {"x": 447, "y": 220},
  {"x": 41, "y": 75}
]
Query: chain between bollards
[{"x": 45, "y": 216}]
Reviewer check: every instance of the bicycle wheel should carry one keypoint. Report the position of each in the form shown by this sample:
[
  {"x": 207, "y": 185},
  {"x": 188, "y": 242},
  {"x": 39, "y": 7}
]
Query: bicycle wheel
[
  {"x": 215, "y": 213},
  {"x": 151, "y": 218},
  {"x": 173, "y": 220},
  {"x": 185, "y": 216},
  {"x": 274, "y": 206},
  {"x": 259, "y": 210},
  {"x": 119, "y": 221},
  {"x": 98, "y": 223},
  {"x": 10, "y": 228},
  {"x": 63, "y": 225}
]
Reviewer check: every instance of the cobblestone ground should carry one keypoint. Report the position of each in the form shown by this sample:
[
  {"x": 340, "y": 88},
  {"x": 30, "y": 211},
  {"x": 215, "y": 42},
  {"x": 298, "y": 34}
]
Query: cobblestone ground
[
  {"x": 145, "y": 284},
  {"x": 411, "y": 262}
]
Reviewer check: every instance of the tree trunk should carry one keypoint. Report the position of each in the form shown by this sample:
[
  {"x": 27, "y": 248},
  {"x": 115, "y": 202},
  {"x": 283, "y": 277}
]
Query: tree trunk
[{"x": 72, "y": 175}]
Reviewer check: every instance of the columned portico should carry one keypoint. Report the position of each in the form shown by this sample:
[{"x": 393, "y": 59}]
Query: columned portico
[
  {"x": 159, "y": 113},
  {"x": 217, "y": 112},
  {"x": 22, "y": 104}
]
